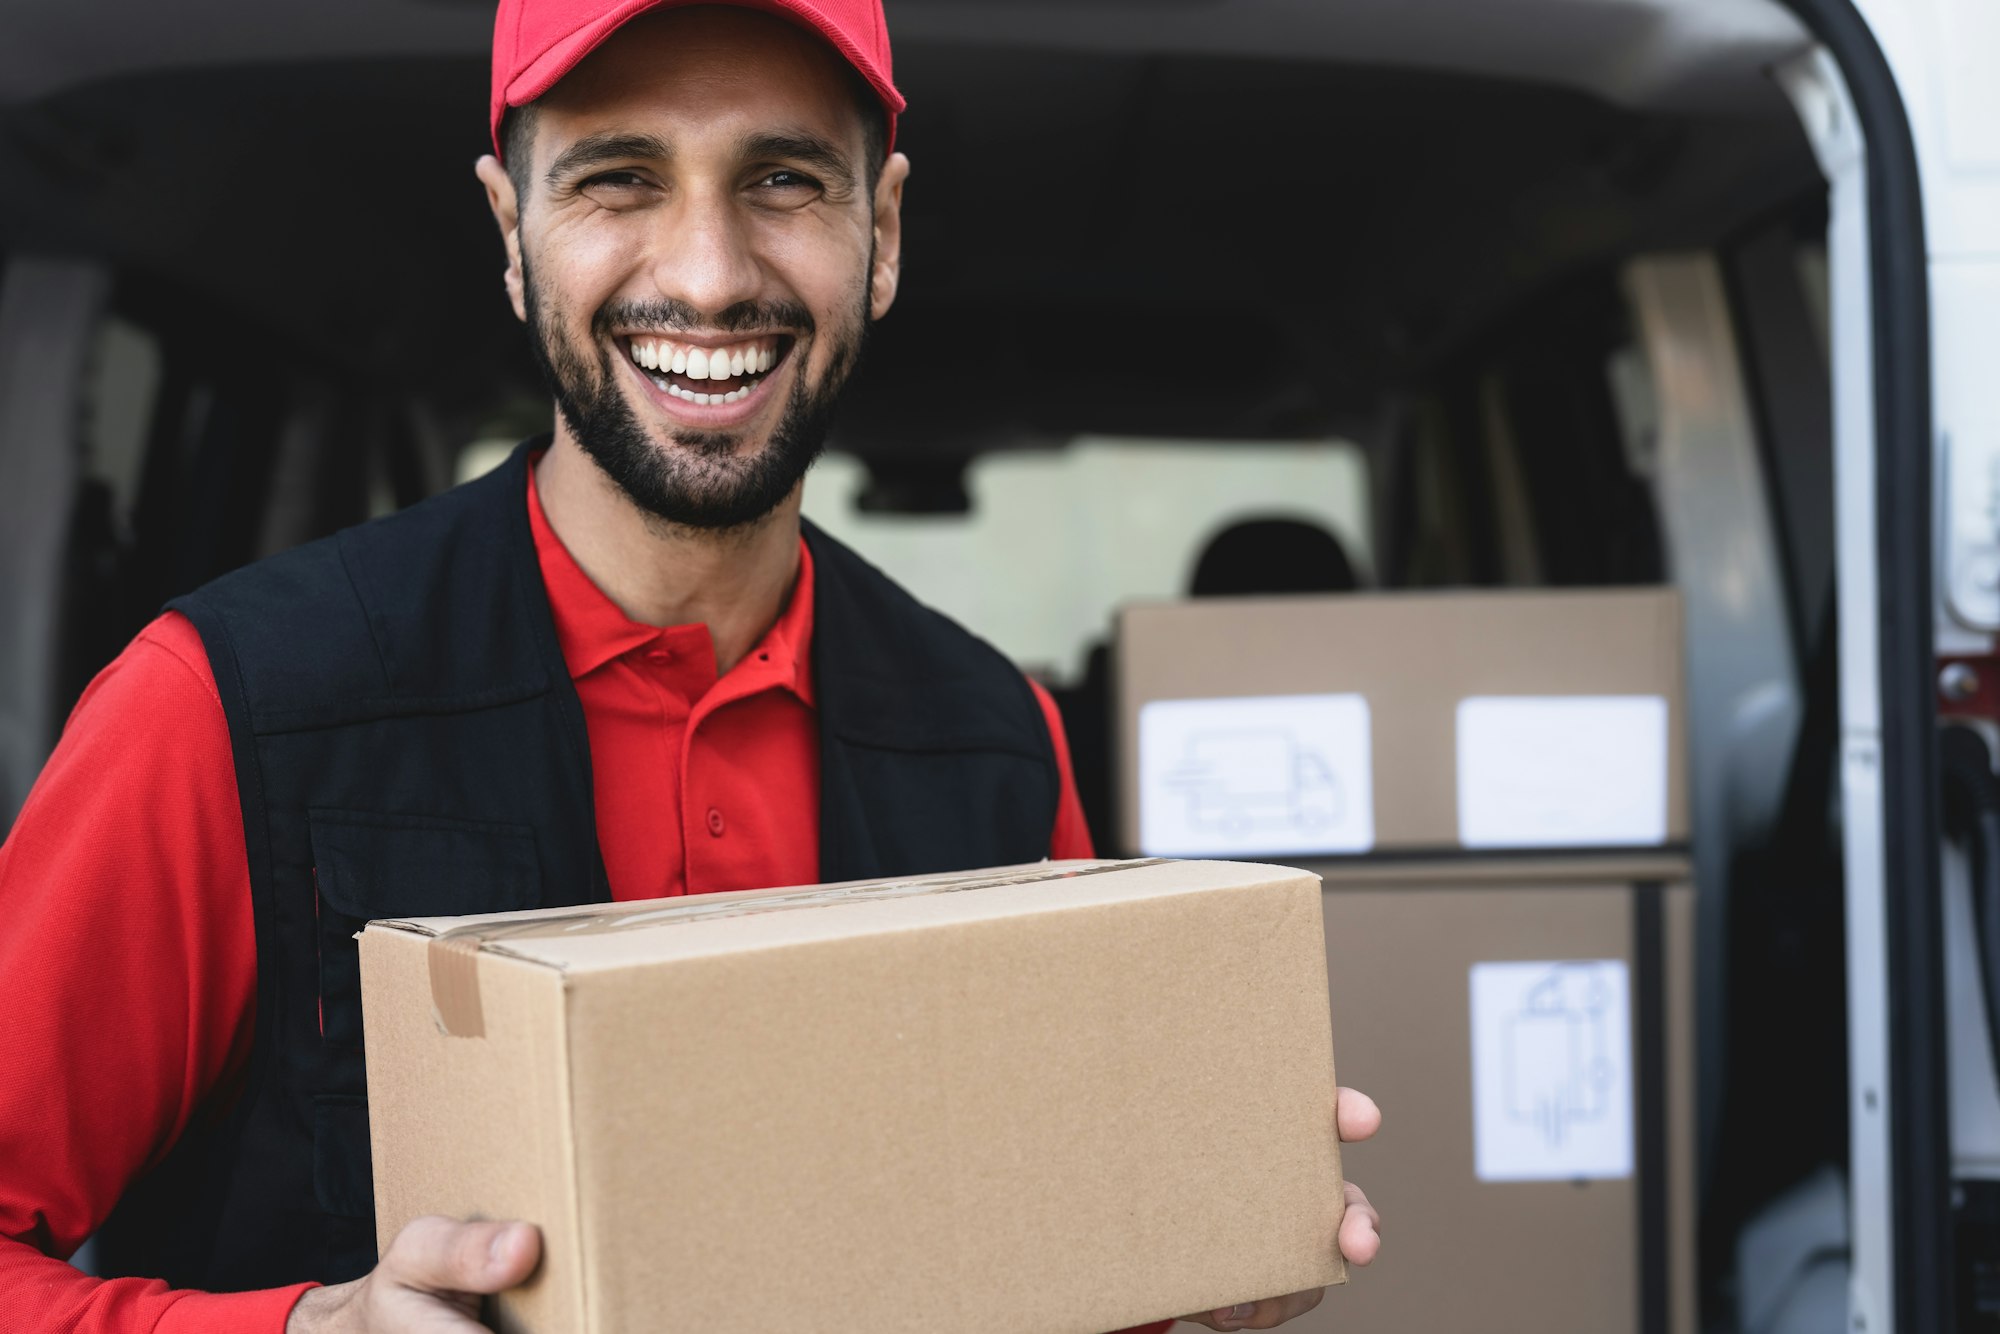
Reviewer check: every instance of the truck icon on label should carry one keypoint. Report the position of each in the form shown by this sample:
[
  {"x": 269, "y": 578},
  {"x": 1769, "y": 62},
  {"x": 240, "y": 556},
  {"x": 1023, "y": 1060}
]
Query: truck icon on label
[{"x": 1238, "y": 781}]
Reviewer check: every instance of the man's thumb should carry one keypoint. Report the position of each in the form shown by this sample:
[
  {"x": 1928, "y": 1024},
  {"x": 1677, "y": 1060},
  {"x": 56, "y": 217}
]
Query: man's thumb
[{"x": 444, "y": 1255}]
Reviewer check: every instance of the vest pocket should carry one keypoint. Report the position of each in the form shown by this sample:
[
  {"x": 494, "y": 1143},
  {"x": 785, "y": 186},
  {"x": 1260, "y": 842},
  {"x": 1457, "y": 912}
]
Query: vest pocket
[{"x": 369, "y": 866}]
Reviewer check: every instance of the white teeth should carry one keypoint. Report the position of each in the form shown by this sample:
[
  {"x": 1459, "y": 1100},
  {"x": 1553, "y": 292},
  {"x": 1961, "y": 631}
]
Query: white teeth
[
  {"x": 694, "y": 396},
  {"x": 701, "y": 363}
]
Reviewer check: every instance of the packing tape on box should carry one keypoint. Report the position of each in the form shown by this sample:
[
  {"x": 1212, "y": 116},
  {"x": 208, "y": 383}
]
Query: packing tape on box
[{"x": 454, "y": 953}]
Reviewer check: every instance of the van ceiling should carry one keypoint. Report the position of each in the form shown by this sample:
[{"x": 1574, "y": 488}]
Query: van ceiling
[
  {"x": 1671, "y": 53},
  {"x": 1261, "y": 237}
]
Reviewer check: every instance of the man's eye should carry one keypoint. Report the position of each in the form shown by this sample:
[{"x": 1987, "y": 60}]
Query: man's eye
[
  {"x": 789, "y": 180},
  {"x": 613, "y": 180}
]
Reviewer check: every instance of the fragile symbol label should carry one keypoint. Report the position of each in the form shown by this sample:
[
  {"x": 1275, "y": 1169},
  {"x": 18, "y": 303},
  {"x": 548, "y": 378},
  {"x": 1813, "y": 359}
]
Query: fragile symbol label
[{"x": 1551, "y": 1070}]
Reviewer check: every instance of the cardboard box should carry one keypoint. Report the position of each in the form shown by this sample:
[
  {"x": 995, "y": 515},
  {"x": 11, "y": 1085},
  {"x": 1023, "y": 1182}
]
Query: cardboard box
[
  {"x": 1069, "y": 1097},
  {"x": 1414, "y": 705},
  {"x": 1612, "y": 1252}
]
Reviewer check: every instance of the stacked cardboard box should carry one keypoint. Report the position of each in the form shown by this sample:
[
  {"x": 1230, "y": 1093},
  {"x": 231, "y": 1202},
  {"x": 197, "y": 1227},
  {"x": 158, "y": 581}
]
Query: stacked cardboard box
[{"x": 1493, "y": 787}]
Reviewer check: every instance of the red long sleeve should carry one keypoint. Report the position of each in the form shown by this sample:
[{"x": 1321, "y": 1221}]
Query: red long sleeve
[{"x": 129, "y": 965}]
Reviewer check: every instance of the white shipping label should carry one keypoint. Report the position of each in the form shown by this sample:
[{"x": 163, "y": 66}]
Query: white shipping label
[
  {"x": 1562, "y": 771},
  {"x": 1235, "y": 777},
  {"x": 1551, "y": 1070}
]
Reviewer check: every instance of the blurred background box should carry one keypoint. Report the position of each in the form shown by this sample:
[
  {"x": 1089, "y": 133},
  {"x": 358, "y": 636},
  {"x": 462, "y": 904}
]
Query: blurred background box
[
  {"x": 1601, "y": 1253},
  {"x": 1413, "y": 707}
]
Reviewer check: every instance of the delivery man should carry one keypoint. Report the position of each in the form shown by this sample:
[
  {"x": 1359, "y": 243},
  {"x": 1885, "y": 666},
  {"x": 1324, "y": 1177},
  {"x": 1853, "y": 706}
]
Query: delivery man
[{"x": 618, "y": 667}]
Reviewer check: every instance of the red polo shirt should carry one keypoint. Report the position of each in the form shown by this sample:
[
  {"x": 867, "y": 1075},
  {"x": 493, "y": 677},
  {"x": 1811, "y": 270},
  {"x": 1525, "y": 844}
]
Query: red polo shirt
[
  {"x": 127, "y": 956},
  {"x": 703, "y": 782}
]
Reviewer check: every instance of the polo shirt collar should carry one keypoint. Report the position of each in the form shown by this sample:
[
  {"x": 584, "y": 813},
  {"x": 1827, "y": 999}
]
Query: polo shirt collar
[{"x": 592, "y": 630}]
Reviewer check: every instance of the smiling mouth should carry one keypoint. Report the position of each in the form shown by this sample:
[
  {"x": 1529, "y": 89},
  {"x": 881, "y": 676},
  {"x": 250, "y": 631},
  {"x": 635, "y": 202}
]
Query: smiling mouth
[{"x": 704, "y": 375}]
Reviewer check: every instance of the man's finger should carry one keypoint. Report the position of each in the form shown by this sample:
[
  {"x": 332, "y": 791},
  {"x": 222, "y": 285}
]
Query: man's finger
[
  {"x": 1267, "y": 1314},
  {"x": 444, "y": 1255},
  {"x": 1355, "y": 1115},
  {"x": 1360, "y": 1228}
]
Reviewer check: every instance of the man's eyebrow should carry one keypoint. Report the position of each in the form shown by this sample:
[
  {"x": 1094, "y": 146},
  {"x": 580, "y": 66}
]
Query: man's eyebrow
[
  {"x": 806, "y": 149},
  {"x": 596, "y": 149}
]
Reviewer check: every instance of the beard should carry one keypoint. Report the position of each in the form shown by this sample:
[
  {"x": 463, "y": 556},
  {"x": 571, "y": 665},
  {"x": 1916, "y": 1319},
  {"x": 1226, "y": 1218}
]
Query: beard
[{"x": 694, "y": 479}]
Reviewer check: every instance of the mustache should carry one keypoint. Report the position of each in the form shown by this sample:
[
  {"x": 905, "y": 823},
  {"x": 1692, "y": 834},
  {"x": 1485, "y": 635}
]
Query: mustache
[{"x": 668, "y": 315}]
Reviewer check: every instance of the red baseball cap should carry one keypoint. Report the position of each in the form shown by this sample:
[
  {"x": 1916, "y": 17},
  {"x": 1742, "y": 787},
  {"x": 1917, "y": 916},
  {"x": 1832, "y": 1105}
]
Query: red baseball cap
[{"x": 536, "y": 42}]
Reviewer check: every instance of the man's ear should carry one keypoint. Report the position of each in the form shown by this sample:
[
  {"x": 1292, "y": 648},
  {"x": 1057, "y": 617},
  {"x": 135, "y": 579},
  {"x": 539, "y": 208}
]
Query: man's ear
[
  {"x": 507, "y": 213},
  {"x": 888, "y": 236}
]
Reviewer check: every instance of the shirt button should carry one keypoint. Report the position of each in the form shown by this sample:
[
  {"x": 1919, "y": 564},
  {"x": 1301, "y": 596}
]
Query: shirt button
[
  {"x": 715, "y": 822},
  {"x": 659, "y": 655}
]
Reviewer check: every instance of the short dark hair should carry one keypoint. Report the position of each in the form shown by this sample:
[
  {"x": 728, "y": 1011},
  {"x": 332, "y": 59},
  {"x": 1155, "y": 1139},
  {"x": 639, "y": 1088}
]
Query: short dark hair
[
  {"x": 517, "y": 147},
  {"x": 517, "y": 138}
]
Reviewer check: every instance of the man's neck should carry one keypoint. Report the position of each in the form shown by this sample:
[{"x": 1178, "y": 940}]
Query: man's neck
[{"x": 734, "y": 582}]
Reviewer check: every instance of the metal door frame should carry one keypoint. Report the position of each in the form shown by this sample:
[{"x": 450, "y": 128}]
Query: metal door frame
[{"x": 1899, "y": 1200}]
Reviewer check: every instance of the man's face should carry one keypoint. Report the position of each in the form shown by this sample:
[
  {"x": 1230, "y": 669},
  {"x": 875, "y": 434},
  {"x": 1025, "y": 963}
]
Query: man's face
[{"x": 698, "y": 256}]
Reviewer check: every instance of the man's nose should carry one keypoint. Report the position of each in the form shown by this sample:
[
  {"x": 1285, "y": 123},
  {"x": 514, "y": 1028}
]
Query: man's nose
[{"x": 704, "y": 255}]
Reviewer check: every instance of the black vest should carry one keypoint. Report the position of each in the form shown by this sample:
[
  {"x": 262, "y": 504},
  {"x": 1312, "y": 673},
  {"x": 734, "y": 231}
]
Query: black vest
[{"x": 408, "y": 743}]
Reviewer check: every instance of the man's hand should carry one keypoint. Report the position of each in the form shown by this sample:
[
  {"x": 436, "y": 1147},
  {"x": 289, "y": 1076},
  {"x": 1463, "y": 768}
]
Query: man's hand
[
  {"x": 1356, "y": 1117},
  {"x": 430, "y": 1281}
]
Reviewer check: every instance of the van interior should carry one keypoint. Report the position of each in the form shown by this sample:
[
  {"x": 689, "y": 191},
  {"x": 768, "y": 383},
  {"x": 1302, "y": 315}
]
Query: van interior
[{"x": 1535, "y": 293}]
